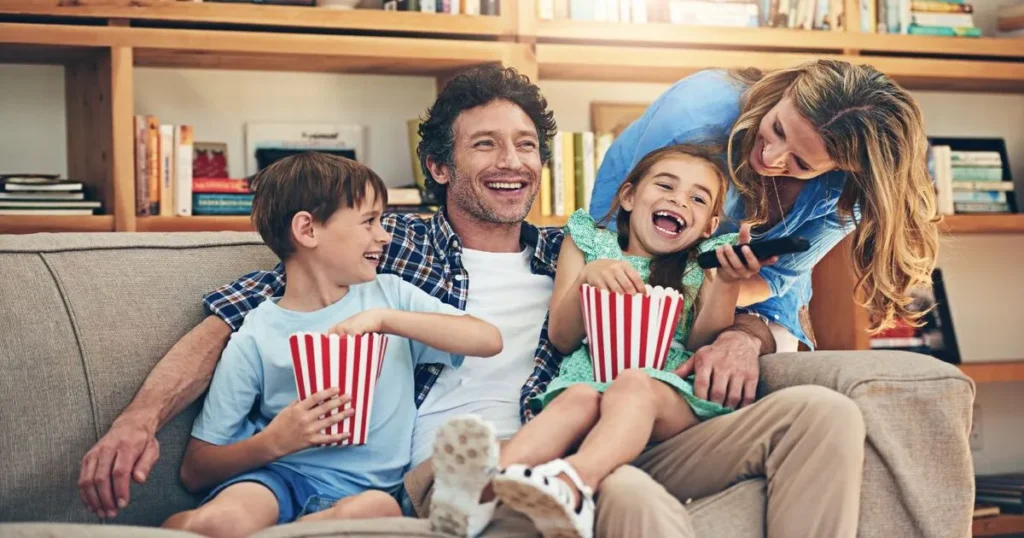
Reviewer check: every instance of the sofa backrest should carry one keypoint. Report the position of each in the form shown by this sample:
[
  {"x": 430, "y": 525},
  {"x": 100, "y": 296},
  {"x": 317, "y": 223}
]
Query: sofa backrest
[{"x": 83, "y": 320}]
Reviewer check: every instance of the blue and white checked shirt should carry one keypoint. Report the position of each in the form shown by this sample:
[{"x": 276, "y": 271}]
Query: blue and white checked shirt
[{"x": 428, "y": 254}]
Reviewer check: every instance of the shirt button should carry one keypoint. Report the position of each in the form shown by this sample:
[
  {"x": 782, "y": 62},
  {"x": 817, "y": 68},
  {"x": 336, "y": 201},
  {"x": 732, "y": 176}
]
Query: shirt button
[{"x": 776, "y": 316}]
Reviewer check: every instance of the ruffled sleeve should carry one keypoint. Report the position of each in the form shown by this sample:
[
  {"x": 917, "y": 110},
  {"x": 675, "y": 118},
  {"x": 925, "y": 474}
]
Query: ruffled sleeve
[{"x": 583, "y": 229}]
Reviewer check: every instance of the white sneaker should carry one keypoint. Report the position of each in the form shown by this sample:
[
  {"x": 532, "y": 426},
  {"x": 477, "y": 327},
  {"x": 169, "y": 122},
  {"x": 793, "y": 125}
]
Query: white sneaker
[
  {"x": 547, "y": 500},
  {"x": 465, "y": 461}
]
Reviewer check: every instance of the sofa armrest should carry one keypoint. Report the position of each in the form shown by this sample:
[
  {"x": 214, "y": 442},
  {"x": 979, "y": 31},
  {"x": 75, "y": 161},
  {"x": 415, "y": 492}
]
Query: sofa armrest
[{"x": 918, "y": 470}]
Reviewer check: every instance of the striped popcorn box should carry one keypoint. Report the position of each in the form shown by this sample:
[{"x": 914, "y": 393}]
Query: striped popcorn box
[
  {"x": 629, "y": 330},
  {"x": 351, "y": 363}
]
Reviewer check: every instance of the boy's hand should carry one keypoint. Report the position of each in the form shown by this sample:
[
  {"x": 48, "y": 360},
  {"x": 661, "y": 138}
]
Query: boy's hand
[
  {"x": 298, "y": 426},
  {"x": 731, "y": 267},
  {"x": 369, "y": 321},
  {"x": 612, "y": 275}
]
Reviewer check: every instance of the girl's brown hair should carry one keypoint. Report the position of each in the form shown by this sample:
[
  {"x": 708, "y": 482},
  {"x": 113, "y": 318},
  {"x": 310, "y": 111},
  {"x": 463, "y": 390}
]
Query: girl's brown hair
[
  {"x": 667, "y": 270},
  {"x": 874, "y": 131}
]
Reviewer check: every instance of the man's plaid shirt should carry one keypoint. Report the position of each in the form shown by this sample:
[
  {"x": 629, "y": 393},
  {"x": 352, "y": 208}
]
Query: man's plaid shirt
[{"x": 428, "y": 254}]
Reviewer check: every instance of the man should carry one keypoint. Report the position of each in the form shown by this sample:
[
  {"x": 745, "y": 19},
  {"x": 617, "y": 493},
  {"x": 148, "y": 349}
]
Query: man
[{"x": 483, "y": 144}]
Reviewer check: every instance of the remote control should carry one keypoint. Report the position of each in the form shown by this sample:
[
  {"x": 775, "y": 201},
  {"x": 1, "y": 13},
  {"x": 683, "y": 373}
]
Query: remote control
[{"x": 762, "y": 250}]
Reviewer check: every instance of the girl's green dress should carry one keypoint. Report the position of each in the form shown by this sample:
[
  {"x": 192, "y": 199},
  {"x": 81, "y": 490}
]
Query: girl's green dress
[{"x": 596, "y": 244}]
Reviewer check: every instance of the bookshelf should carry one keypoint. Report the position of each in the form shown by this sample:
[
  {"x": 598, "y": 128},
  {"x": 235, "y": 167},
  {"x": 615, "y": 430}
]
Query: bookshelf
[
  {"x": 994, "y": 372},
  {"x": 101, "y": 43},
  {"x": 1001, "y": 525}
]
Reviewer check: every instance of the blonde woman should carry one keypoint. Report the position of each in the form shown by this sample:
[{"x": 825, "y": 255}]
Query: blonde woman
[{"x": 819, "y": 150}]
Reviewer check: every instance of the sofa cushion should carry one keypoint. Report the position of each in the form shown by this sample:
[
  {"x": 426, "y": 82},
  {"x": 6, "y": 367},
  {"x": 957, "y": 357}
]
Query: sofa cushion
[
  {"x": 63, "y": 530},
  {"x": 738, "y": 512},
  {"x": 86, "y": 316},
  {"x": 358, "y": 528}
]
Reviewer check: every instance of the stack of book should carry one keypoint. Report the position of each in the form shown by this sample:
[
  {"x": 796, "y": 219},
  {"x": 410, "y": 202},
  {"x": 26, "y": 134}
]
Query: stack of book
[
  {"x": 1003, "y": 490},
  {"x": 221, "y": 196},
  {"x": 970, "y": 181},
  {"x": 43, "y": 194},
  {"x": 952, "y": 18}
]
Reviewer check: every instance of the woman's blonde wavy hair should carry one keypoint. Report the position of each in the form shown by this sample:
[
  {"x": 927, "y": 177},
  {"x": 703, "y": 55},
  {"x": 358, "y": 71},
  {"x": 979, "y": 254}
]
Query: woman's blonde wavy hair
[{"x": 874, "y": 131}]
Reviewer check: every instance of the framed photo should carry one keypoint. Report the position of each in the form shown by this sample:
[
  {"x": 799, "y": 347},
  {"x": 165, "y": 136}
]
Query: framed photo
[{"x": 606, "y": 117}]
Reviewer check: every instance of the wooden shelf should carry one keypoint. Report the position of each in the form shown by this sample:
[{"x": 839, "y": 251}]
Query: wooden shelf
[
  {"x": 194, "y": 224},
  {"x": 983, "y": 224},
  {"x": 225, "y": 49},
  {"x": 32, "y": 224},
  {"x": 994, "y": 372},
  {"x": 258, "y": 15},
  {"x": 639, "y": 64},
  {"x": 548, "y": 221},
  {"x": 769, "y": 39},
  {"x": 1001, "y": 525}
]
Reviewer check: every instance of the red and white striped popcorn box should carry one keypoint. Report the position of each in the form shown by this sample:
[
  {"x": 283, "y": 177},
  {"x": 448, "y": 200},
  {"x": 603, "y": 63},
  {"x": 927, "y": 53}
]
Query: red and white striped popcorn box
[
  {"x": 629, "y": 330},
  {"x": 351, "y": 363}
]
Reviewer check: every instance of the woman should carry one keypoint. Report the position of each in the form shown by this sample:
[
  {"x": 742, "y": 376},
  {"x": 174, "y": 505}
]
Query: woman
[{"x": 818, "y": 150}]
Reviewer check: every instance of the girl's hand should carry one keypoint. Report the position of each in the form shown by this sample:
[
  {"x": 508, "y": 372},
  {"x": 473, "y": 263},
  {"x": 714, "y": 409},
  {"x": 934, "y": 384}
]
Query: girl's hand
[
  {"x": 612, "y": 275},
  {"x": 298, "y": 426},
  {"x": 369, "y": 321},
  {"x": 731, "y": 267}
]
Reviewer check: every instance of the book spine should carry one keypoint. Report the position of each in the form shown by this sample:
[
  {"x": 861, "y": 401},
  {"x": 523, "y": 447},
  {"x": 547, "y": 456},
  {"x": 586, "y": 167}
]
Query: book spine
[
  {"x": 141, "y": 168},
  {"x": 183, "y": 143},
  {"x": 216, "y": 185},
  {"x": 153, "y": 163},
  {"x": 166, "y": 170},
  {"x": 569, "y": 173}
]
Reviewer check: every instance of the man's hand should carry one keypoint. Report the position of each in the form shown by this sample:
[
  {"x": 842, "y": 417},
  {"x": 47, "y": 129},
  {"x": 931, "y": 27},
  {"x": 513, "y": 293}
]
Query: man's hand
[
  {"x": 368, "y": 321},
  {"x": 726, "y": 370},
  {"x": 298, "y": 426},
  {"x": 127, "y": 450}
]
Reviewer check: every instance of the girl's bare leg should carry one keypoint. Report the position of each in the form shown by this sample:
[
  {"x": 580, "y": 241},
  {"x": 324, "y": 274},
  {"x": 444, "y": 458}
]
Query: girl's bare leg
[
  {"x": 552, "y": 433},
  {"x": 634, "y": 410}
]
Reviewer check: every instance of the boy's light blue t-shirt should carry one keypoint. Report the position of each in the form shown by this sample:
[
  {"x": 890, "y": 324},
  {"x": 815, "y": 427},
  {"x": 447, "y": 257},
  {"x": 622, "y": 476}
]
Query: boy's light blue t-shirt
[
  {"x": 254, "y": 381},
  {"x": 701, "y": 108}
]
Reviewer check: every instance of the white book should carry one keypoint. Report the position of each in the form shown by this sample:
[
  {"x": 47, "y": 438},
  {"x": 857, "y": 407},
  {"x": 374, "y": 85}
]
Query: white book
[
  {"x": 546, "y": 10},
  {"x": 557, "y": 175},
  {"x": 166, "y": 170},
  {"x": 183, "y": 144},
  {"x": 589, "y": 169}
]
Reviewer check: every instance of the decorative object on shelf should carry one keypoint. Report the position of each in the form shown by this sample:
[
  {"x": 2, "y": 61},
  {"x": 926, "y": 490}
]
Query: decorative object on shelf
[
  {"x": 936, "y": 337},
  {"x": 337, "y": 4},
  {"x": 210, "y": 160},
  {"x": 266, "y": 143}
]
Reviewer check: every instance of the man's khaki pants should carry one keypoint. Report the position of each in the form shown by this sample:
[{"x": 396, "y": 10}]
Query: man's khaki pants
[{"x": 808, "y": 441}]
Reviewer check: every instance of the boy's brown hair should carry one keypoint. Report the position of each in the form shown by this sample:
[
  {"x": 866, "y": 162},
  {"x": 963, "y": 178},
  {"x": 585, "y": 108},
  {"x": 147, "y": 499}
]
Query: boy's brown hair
[{"x": 315, "y": 182}]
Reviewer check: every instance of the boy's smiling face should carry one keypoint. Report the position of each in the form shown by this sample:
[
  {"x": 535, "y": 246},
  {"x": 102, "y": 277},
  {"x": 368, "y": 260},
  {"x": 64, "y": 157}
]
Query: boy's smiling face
[{"x": 349, "y": 243}]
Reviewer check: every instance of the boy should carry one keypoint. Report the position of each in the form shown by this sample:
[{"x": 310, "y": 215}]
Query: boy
[{"x": 321, "y": 215}]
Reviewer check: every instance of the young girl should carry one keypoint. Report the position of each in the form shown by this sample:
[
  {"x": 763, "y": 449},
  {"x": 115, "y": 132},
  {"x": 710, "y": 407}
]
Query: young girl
[{"x": 667, "y": 208}]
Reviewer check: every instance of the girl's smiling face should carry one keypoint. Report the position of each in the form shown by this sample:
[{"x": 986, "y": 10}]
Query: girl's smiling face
[{"x": 672, "y": 206}]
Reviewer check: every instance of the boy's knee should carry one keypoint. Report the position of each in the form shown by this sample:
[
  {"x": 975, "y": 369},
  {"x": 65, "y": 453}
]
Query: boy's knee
[
  {"x": 216, "y": 521},
  {"x": 369, "y": 504}
]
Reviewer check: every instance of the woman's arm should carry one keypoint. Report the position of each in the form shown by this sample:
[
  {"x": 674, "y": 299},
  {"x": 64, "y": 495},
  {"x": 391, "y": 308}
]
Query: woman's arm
[{"x": 753, "y": 290}]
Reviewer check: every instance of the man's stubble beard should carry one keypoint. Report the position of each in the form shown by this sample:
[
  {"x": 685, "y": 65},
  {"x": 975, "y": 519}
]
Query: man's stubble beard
[{"x": 461, "y": 194}]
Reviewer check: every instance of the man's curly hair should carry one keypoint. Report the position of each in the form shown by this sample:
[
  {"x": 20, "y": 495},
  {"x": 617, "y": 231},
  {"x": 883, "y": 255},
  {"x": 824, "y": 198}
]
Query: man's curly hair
[{"x": 475, "y": 87}]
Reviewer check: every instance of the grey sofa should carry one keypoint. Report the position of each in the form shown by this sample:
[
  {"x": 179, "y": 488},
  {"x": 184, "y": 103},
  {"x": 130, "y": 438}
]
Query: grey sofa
[{"x": 84, "y": 317}]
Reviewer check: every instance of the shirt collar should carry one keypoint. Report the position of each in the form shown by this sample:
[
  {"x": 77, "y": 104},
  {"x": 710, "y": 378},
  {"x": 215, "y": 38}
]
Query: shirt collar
[{"x": 446, "y": 240}]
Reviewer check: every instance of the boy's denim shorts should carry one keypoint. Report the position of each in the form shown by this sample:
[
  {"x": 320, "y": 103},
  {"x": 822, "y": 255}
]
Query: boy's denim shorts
[{"x": 296, "y": 495}]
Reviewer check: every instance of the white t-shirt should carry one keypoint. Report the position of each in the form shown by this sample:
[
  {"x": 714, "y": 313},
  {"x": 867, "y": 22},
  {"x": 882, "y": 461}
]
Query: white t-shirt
[{"x": 504, "y": 292}]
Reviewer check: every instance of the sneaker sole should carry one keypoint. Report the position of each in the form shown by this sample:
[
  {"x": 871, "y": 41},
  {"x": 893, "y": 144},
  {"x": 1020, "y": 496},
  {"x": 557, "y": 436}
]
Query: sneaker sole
[
  {"x": 465, "y": 456},
  {"x": 547, "y": 514}
]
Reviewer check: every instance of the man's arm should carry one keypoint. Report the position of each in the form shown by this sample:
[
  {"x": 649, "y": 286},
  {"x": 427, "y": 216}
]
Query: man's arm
[{"x": 130, "y": 447}]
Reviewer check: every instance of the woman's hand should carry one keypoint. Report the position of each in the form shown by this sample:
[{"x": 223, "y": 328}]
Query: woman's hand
[
  {"x": 612, "y": 275},
  {"x": 731, "y": 267}
]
